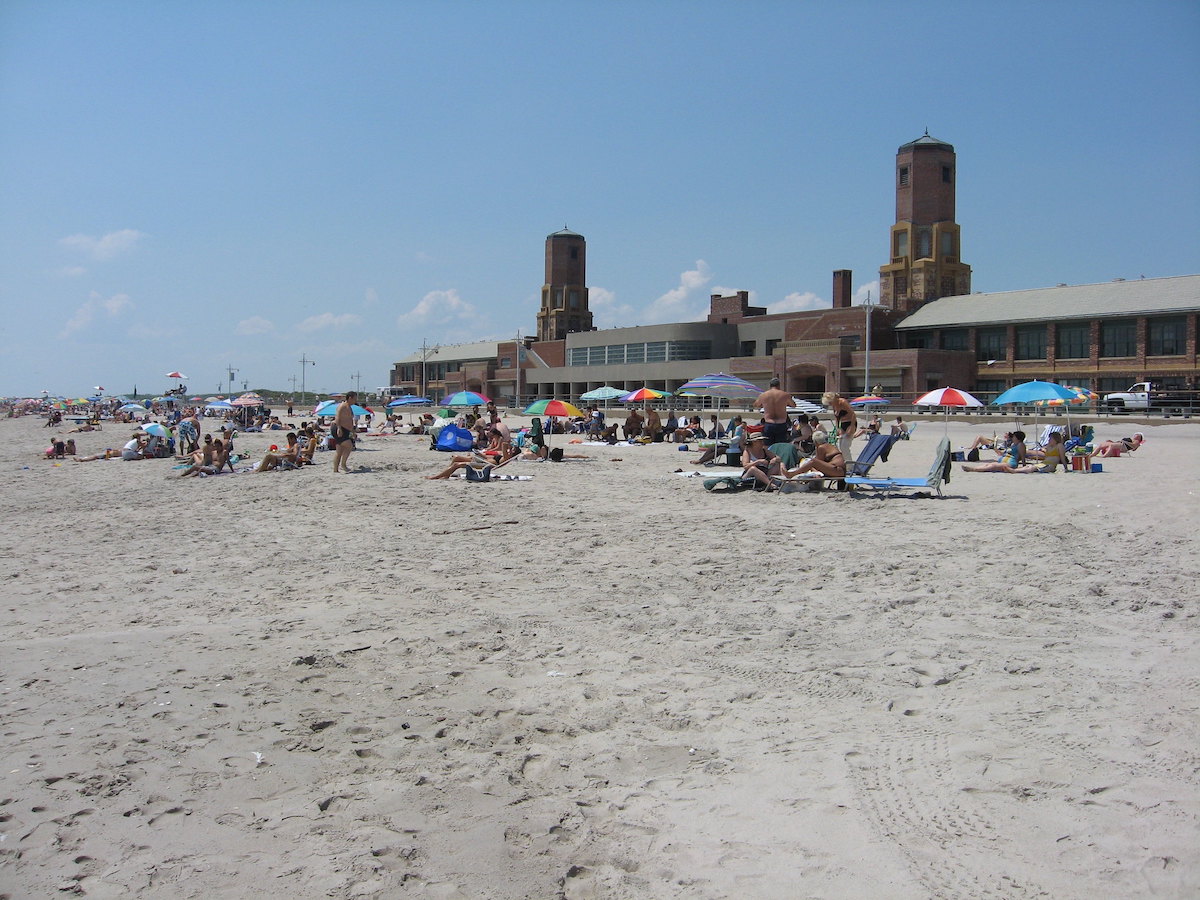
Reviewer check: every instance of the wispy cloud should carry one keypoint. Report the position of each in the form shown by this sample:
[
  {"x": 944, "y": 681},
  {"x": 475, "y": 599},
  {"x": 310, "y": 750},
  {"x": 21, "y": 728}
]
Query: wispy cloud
[
  {"x": 106, "y": 246},
  {"x": 370, "y": 297},
  {"x": 860, "y": 295},
  {"x": 71, "y": 272},
  {"x": 254, "y": 325},
  {"x": 437, "y": 308},
  {"x": 686, "y": 302},
  {"x": 798, "y": 301},
  {"x": 607, "y": 311},
  {"x": 328, "y": 320},
  {"x": 95, "y": 305}
]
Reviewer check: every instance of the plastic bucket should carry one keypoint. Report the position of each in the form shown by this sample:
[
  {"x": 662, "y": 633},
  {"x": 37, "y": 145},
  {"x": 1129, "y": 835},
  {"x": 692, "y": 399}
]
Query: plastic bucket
[{"x": 1097, "y": 467}]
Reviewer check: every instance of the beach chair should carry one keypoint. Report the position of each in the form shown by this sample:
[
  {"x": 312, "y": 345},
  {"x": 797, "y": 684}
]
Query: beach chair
[
  {"x": 877, "y": 446},
  {"x": 939, "y": 472}
]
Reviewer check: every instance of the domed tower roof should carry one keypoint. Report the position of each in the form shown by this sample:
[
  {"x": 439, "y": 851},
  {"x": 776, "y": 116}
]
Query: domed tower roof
[
  {"x": 926, "y": 141},
  {"x": 565, "y": 232}
]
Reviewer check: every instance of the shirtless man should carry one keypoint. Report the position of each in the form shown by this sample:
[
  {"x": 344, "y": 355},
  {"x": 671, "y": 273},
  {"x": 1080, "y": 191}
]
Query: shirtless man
[
  {"x": 774, "y": 404},
  {"x": 343, "y": 432}
]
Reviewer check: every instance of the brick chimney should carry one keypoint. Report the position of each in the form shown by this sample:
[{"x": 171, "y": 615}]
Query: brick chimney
[{"x": 841, "y": 288}]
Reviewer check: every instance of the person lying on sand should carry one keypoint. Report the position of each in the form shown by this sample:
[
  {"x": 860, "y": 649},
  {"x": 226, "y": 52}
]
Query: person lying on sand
[
  {"x": 475, "y": 460},
  {"x": 1110, "y": 449},
  {"x": 107, "y": 454}
]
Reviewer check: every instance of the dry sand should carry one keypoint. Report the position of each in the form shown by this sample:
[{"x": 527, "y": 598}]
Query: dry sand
[{"x": 603, "y": 682}]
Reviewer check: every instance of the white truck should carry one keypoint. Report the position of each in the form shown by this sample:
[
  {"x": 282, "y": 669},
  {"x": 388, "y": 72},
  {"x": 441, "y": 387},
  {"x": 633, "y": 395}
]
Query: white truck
[{"x": 1145, "y": 397}]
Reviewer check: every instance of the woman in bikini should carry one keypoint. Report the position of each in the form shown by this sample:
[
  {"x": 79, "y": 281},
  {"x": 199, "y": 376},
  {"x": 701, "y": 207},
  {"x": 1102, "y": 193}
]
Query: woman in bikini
[
  {"x": 1014, "y": 456},
  {"x": 827, "y": 459},
  {"x": 1116, "y": 448}
]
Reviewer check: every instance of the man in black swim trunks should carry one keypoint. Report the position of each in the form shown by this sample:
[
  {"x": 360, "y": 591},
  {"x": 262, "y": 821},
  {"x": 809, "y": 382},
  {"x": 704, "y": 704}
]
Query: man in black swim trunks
[
  {"x": 343, "y": 432},
  {"x": 777, "y": 426}
]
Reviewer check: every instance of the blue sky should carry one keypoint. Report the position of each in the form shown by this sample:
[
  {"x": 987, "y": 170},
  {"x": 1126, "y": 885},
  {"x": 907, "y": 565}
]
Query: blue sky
[{"x": 195, "y": 185}]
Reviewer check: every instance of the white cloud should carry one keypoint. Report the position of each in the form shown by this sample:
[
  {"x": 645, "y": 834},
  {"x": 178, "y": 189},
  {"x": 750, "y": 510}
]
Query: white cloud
[
  {"x": 105, "y": 247},
  {"x": 95, "y": 304},
  {"x": 860, "y": 295},
  {"x": 798, "y": 301},
  {"x": 71, "y": 272},
  {"x": 370, "y": 297},
  {"x": 328, "y": 320},
  {"x": 254, "y": 325},
  {"x": 437, "y": 308},
  {"x": 680, "y": 304},
  {"x": 606, "y": 311}
]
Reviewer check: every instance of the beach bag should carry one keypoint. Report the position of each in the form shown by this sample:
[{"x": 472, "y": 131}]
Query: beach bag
[
  {"x": 453, "y": 439},
  {"x": 973, "y": 455}
]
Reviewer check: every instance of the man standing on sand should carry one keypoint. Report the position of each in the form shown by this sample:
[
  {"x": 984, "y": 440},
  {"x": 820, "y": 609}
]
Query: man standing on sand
[
  {"x": 343, "y": 432},
  {"x": 774, "y": 404}
]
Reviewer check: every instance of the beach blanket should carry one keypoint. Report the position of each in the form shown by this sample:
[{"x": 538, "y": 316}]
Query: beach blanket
[{"x": 498, "y": 476}]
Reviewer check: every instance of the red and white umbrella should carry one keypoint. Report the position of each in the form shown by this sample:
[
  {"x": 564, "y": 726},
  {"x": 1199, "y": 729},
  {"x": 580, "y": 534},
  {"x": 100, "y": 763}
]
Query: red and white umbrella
[
  {"x": 945, "y": 398},
  {"x": 948, "y": 396},
  {"x": 178, "y": 375}
]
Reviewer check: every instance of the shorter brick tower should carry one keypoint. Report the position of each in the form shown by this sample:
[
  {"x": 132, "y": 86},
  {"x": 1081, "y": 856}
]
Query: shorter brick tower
[
  {"x": 925, "y": 246},
  {"x": 564, "y": 295}
]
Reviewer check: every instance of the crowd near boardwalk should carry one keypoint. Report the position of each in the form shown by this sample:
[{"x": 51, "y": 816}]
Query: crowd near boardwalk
[{"x": 568, "y": 657}]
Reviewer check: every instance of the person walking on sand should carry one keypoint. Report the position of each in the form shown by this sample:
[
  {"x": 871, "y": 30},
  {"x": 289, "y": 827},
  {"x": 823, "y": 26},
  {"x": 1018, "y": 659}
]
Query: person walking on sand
[
  {"x": 343, "y": 432},
  {"x": 774, "y": 404}
]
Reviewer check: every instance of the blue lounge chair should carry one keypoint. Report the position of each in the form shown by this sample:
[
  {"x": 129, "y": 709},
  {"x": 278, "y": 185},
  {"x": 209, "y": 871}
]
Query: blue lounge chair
[{"x": 939, "y": 472}]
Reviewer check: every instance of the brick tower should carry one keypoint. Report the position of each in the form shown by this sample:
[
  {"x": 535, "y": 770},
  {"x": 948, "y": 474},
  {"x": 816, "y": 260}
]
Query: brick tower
[
  {"x": 925, "y": 262},
  {"x": 564, "y": 295}
]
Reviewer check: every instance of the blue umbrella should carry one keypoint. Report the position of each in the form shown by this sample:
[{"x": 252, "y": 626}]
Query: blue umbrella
[
  {"x": 329, "y": 407},
  {"x": 1032, "y": 391},
  {"x": 466, "y": 398},
  {"x": 409, "y": 401},
  {"x": 221, "y": 406}
]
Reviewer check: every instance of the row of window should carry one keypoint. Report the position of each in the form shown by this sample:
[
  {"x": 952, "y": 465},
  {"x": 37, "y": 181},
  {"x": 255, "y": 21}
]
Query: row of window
[
  {"x": 434, "y": 371},
  {"x": 648, "y": 352},
  {"x": 1164, "y": 337}
]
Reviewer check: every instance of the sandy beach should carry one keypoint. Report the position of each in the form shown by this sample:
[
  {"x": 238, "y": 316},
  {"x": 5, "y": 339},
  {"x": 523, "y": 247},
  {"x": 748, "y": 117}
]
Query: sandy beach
[{"x": 603, "y": 682}]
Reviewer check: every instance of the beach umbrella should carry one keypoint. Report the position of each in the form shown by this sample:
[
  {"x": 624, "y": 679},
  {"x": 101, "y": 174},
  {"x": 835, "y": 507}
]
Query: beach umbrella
[
  {"x": 642, "y": 394},
  {"x": 945, "y": 398},
  {"x": 1082, "y": 396},
  {"x": 552, "y": 408},
  {"x": 221, "y": 406},
  {"x": 408, "y": 401},
  {"x": 156, "y": 428},
  {"x": 131, "y": 407},
  {"x": 869, "y": 400},
  {"x": 178, "y": 375},
  {"x": 466, "y": 398},
  {"x": 329, "y": 408},
  {"x": 1032, "y": 391},
  {"x": 718, "y": 384},
  {"x": 606, "y": 392}
]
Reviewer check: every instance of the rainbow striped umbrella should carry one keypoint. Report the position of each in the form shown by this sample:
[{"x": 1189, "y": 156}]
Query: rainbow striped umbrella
[
  {"x": 642, "y": 393},
  {"x": 1082, "y": 396},
  {"x": 553, "y": 408}
]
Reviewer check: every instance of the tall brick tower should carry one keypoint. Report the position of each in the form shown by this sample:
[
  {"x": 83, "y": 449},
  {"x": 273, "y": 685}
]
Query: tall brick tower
[
  {"x": 925, "y": 262},
  {"x": 564, "y": 295}
]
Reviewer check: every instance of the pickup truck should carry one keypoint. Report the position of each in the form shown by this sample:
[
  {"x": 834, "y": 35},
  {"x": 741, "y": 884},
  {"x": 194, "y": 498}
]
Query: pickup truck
[{"x": 1144, "y": 397}]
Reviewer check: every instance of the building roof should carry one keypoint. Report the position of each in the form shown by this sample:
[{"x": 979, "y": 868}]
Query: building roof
[
  {"x": 925, "y": 141},
  {"x": 455, "y": 353},
  {"x": 1145, "y": 296},
  {"x": 564, "y": 232}
]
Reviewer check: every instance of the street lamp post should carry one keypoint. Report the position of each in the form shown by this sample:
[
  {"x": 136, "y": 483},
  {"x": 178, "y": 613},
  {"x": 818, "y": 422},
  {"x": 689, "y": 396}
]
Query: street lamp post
[
  {"x": 357, "y": 376},
  {"x": 426, "y": 352},
  {"x": 305, "y": 362},
  {"x": 231, "y": 371},
  {"x": 867, "y": 354}
]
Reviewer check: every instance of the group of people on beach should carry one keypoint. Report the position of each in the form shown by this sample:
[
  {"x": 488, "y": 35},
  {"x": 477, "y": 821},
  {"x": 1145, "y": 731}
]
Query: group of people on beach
[{"x": 1015, "y": 457}]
